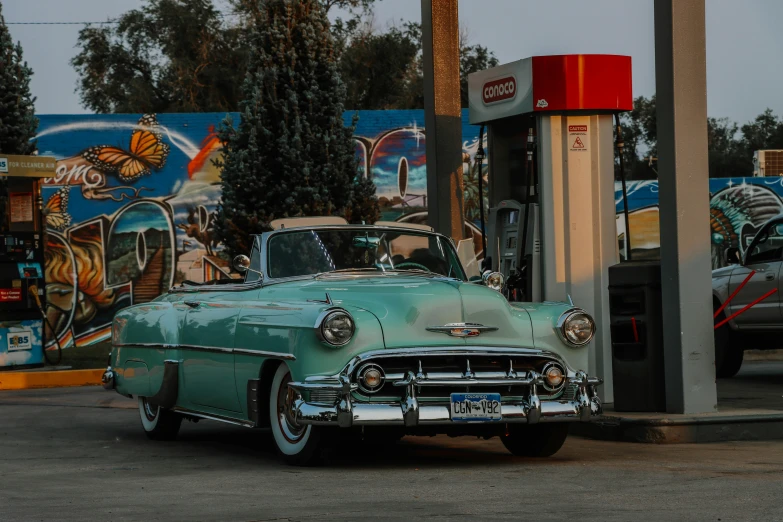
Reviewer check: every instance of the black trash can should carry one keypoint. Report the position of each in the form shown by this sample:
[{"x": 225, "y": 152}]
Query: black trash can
[{"x": 636, "y": 322}]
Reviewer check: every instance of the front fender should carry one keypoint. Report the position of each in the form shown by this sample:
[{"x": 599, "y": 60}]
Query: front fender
[
  {"x": 316, "y": 357},
  {"x": 543, "y": 317}
]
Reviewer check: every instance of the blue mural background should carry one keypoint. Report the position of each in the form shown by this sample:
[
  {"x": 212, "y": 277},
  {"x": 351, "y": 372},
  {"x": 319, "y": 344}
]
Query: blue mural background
[
  {"x": 123, "y": 230},
  {"x": 124, "y": 235}
]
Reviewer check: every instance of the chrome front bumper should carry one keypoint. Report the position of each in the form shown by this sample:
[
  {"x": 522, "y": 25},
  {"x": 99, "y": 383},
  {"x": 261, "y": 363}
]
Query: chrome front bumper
[{"x": 409, "y": 411}]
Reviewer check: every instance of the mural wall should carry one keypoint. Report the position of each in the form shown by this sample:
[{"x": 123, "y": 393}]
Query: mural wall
[
  {"x": 738, "y": 208},
  {"x": 130, "y": 211}
]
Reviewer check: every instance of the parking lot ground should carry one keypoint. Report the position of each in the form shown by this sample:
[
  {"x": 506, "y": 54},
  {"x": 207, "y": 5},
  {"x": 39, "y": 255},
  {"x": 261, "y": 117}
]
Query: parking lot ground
[
  {"x": 79, "y": 454},
  {"x": 758, "y": 385}
]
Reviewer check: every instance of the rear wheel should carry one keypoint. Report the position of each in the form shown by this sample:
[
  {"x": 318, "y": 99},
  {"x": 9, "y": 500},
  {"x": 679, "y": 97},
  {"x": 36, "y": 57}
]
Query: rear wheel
[
  {"x": 299, "y": 445},
  {"x": 535, "y": 440},
  {"x": 729, "y": 351},
  {"x": 158, "y": 423}
]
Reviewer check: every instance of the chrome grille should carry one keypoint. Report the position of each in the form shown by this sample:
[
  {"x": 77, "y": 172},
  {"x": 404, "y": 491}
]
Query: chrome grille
[
  {"x": 457, "y": 366},
  {"x": 329, "y": 397},
  {"x": 569, "y": 394}
]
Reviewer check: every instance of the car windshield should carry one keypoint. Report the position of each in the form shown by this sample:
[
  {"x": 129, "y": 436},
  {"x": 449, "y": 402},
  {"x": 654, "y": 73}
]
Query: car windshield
[{"x": 308, "y": 252}]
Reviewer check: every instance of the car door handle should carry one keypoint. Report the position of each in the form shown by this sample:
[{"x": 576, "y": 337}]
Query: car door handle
[
  {"x": 192, "y": 304},
  {"x": 769, "y": 277}
]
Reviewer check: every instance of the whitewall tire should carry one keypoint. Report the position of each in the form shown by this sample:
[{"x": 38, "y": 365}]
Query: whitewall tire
[
  {"x": 299, "y": 445},
  {"x": 158, "y": 423}
]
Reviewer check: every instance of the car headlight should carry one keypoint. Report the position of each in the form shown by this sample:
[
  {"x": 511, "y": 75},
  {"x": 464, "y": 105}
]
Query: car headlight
[
  {"x": 575, "y": 327},
  {"x": 335, "y": 327},
  {"x": 493, "y": 280}
]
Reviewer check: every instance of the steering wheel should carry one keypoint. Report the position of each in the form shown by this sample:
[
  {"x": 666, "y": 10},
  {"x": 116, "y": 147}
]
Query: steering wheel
[{"x": 412, "y": 264}]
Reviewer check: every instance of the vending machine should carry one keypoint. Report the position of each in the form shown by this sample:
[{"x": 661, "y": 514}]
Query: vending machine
[{"x": 22, "y": 284}]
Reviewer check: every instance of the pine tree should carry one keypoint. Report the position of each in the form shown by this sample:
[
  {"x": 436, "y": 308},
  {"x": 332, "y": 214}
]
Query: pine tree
[
  {"x": 18, "y": 124},
  {"x": 291, "y": 154}
]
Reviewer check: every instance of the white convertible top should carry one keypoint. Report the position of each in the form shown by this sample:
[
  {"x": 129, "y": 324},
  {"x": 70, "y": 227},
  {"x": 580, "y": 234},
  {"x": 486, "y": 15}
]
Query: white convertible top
[
  {"x": 278, "y": 224},
  {"x": 315, "y": 221}
]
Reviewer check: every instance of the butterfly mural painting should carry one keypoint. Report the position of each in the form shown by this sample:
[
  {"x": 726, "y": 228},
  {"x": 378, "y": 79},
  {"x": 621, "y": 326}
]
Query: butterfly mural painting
[
  {"x": 145, "y": 152},
  {"x": 56, "y": 209}
]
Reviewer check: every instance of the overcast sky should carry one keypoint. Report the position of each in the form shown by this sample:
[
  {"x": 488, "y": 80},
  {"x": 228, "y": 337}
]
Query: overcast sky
[{"x": 743, "y": 41}]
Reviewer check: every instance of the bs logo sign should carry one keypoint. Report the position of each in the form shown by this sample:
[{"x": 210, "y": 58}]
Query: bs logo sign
[{"x": 19, "y": 341}]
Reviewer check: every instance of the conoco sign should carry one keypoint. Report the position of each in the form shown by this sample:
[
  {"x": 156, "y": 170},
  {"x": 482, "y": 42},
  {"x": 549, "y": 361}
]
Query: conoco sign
[{"x": 499, "y": 90}]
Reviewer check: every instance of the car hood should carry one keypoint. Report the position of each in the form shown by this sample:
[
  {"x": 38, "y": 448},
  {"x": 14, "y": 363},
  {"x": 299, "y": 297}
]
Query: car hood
[{"x": 407, "y": 305}]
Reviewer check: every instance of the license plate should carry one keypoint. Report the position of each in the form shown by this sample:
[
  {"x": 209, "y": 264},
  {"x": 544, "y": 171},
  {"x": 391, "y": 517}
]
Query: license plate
[{"x": 476, "y": 407}]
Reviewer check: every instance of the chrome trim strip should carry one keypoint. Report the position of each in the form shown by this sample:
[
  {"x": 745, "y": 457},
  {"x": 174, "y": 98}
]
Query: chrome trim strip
[
  {"x": 237, "y": 287},
  {"x": 263, "y": 353},
  {"x": 160, "y": 346},
  {"x": 212, "y": 349},
  {"x": 199, "y": 348},
  {"x": 209, "y": 416}
]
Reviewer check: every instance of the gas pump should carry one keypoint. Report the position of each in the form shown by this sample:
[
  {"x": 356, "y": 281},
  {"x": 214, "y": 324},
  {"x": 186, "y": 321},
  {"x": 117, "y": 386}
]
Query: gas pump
[
  {"x": 551, "y": 227},
  {"x": 22, "y": 284}
]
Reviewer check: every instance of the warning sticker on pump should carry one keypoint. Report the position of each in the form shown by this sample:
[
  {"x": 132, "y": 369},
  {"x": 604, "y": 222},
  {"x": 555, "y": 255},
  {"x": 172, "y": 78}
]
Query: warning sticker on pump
[{"x": 578, "y": 139}]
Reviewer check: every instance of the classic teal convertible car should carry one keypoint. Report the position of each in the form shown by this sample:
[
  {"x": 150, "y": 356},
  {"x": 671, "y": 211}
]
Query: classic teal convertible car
[{"x": 340, "y": 331}]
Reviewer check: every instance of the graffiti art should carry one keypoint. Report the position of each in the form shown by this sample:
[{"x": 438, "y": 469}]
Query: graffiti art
[{"x": 131, "y": 208}]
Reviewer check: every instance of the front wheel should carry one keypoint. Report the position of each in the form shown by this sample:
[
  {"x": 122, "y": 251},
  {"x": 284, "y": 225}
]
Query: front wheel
[
  {"x": 729, "y": 351},
  {"x": 158, "y": 423},
  {"x": 299, "y": 445},
  {"x": 535, "y": 440}
]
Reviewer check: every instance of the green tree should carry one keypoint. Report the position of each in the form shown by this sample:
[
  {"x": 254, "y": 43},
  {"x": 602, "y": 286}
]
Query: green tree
[
  {"x": 18, "y": 124},
  {"x": 729, "y": 147},
  {"x": 291, "y": 154},
  {"x": 176, "y": 56},
  {"x": 472, "y": 58},
  {"x": 377, "y": 67},
  {"x": 764, "y": 132},
  {"x": 168, "y": 56},
  {"x": 726, "y": 154}
]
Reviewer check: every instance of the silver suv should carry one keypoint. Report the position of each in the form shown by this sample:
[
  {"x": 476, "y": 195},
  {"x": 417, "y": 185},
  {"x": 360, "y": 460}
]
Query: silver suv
[{"x": 760, "y": 325}]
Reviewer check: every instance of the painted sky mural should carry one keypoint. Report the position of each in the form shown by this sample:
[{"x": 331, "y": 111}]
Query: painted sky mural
[
  {"x": 738, "y": 208},
  {"x": 130, "y": 211}
]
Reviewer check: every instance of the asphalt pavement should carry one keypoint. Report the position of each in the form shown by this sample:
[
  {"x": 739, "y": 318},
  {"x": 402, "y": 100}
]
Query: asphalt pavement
[{"x": 80, "y": 454}]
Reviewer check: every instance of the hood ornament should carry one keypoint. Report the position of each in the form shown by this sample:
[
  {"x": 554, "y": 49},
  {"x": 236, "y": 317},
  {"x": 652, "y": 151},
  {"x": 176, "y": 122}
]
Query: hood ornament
[{"x": 462, "y": 329}]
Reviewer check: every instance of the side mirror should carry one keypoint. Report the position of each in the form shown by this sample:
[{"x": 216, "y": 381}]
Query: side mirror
[
  {"x": 733, "y": 256},
  {"x": 241, "y": 263}
]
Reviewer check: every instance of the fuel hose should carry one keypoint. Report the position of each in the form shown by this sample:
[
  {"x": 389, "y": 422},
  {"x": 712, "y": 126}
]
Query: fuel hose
[{"x": 32, "y": 290}]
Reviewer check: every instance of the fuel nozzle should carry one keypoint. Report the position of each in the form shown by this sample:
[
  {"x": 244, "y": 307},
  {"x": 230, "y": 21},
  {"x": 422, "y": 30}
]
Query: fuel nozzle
[
  {"x": 618, "y": 135},
  {"x": 531, "y": 143},
  {"x": 32, "y": 291}
]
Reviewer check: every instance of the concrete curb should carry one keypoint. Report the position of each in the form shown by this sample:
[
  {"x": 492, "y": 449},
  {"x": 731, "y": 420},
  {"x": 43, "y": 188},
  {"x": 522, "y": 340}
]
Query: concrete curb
[
  {"x": 28, "y": 380},
  {"x": 685, "y": 429}
]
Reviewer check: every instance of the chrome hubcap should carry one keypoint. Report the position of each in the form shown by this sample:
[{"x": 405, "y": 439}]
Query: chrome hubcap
[
  {"x": 285, "y": 408},
  {"x": 150, "y": 411}
]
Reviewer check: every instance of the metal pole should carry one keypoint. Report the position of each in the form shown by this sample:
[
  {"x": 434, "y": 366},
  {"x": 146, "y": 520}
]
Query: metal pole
[
  {"x": 681, "y": 92},
  {"x": 480, "y": 155},
  {"x": 443, "y": 116},
  {"x": 620, "y": 144}
]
